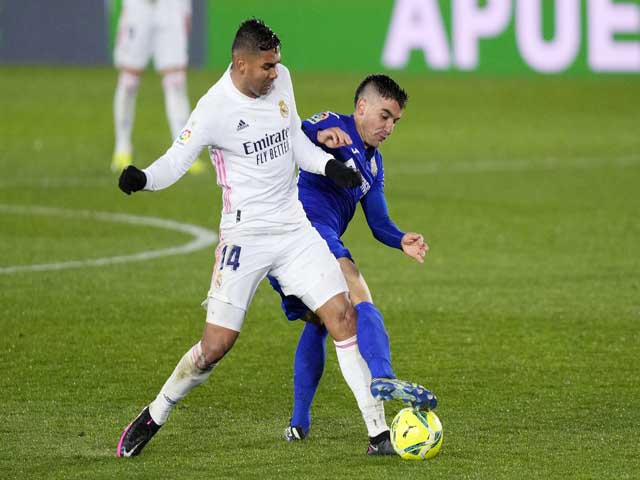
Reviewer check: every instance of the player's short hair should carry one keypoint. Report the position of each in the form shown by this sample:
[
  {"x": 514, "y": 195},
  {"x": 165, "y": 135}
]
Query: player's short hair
[
  {"x": 385, "y": 86},
  {"x": 254, "y": 35}
]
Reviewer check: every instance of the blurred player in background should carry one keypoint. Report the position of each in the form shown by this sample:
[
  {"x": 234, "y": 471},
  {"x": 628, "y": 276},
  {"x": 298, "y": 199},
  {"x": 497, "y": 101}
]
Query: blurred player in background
[
  {"x": 353, "y": 140},
  {"x": 157, "y": 29},
  {"x": 250, "y": 124}
]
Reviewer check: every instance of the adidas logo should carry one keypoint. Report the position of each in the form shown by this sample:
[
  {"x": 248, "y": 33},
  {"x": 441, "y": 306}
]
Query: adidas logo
[{"x": 242, "y": 125}]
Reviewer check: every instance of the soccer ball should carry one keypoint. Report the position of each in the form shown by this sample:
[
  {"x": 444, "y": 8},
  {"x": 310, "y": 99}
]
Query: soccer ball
[{"x": 415, "y": 434}]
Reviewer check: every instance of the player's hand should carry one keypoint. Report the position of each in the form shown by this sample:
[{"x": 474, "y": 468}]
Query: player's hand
[
  {"x": 334, "y": 137},
  {"x": 132, "y": 179},
  {"x": 413, "y": 245},
  {"x": 342, "y": 175}
]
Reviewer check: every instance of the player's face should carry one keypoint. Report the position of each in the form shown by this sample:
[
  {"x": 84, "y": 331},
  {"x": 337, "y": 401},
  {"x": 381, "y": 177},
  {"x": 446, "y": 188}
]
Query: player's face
[
  {"x": 377, "y": 117},
  {"x": 261, "y": 71}
]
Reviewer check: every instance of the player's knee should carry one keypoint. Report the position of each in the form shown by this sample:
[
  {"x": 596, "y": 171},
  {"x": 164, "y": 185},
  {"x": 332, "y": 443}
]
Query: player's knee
[
  {"x": 174, "y": 80},
  {"x": 344, "y": 315},
  {"x": 211, "y": 354},
  {"x": 129, "y": 80},
  {"x": 350, "y": 318}
]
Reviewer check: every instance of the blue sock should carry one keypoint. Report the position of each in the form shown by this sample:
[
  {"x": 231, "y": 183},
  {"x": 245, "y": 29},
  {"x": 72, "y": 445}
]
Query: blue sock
[
  {"x": 307, "y": 371},
  {"x": 373, "y": 341}
]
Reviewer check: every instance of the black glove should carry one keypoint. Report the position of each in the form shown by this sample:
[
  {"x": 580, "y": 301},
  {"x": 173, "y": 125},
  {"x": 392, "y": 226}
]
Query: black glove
[
  {"x": 344, "y": 176},
  {"x": 132, "y": 179}
]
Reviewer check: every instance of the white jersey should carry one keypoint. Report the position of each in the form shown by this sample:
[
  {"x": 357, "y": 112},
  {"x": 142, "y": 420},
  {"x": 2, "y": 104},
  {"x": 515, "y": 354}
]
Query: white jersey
[{"x": 253, "y": 143}]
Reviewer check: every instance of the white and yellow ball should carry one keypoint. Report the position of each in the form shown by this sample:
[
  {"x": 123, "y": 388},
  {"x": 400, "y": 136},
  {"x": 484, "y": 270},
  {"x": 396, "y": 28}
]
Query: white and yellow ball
[{"x": 415, "y": 434}]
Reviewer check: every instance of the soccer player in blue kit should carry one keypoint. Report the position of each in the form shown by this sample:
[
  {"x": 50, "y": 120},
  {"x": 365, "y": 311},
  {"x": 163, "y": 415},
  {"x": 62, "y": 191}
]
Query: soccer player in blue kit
[{"x": 353, "y": 139}]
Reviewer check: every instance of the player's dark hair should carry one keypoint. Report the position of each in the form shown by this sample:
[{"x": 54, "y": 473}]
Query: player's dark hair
[
  {"x": 254, "y": 35},
  {"x": 386, "y": 88}
]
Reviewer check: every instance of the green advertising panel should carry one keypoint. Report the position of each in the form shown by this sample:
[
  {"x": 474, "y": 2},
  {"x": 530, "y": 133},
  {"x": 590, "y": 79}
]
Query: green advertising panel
[
  {"x": 429, "y": 36},
  {"x": 315, "y": 34},
  {"x": 423, "y": 36}
]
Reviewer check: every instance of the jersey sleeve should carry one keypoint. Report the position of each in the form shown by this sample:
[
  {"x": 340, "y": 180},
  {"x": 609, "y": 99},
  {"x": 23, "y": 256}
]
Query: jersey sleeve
[
  {"x": 170, "y": 167},
  {"x": 306, "y": 154},
  {"x": 374, "y": 205}
]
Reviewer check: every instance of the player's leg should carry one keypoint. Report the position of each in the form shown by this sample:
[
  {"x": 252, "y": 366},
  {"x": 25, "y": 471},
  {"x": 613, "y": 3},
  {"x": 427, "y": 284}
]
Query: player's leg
[
  {"x": 192, "y": 370},
  {"x": 308, "y": 363},
  {"x": 308, "y": 367},
  {"x": 339, "y": 317},
  {"x": 131, "y": 55},
  {"x": 373, "y": 342},
  {"x": 176, "y": 100},
  {"x": 232, "y": 288},
  {"x": 124, "y": 108},
  {"x": 197, "y": 364}
]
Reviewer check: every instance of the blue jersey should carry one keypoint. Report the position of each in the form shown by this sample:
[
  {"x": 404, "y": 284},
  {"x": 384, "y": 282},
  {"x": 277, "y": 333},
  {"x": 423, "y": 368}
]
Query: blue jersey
[{"x": 330, "y": 207}]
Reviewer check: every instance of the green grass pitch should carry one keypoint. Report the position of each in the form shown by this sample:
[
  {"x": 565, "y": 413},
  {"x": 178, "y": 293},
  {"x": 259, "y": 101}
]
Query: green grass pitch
[{"x": 524, "y": 319}]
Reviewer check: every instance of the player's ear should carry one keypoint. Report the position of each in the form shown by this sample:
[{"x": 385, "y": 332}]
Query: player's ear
[
  {"x": 239, "y": 63},
  {"x": 361, "y": 105}
]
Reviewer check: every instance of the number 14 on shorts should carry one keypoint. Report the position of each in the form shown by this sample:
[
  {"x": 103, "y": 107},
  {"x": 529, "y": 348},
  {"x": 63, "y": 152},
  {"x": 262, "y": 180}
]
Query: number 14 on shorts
[{"x": 233, "y": 259}]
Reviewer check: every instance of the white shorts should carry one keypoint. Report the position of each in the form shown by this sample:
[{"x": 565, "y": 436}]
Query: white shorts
[
  {"x": 148, "y": 30},
  {"x": 300, "y": 260}
]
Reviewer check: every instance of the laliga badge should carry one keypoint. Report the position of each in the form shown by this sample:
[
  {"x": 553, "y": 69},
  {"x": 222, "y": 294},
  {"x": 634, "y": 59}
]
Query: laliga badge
[
  {"x": 184, "y": 136},
  {"x": 284, "y": 109}
]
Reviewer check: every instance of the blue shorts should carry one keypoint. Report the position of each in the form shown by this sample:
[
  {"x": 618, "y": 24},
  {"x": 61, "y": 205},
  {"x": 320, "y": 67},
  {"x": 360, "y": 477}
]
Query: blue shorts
[{"x": 292, "y": 306}]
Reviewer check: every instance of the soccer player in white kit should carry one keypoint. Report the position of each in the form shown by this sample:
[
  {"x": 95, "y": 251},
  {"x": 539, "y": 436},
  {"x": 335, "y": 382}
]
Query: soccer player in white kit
[
  {"x": 250, "y": 124},
  {"x": 157, "y": 29}
]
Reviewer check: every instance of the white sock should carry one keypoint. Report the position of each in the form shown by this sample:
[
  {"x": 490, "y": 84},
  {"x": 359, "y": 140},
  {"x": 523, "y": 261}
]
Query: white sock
[
  {"x": 124, "y": 110},
  {"x": 357, "y": 375},
  {"x": 176, "y": 101},
  {"x": 185, "y": 377}
]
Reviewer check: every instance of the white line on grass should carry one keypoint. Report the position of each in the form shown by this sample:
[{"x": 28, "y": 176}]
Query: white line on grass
[{"x": 202, "y": 237}]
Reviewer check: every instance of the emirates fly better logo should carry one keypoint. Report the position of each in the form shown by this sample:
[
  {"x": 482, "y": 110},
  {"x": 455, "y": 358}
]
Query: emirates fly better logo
[{"x": 269, "y": 146}]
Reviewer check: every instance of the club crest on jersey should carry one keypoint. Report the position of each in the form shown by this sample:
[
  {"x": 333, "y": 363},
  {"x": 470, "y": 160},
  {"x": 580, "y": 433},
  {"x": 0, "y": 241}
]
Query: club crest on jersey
[
  {"x": 184, "y": 136},
  {"x": 284, "y": 108},
  {"x": 374, "y": 166}
]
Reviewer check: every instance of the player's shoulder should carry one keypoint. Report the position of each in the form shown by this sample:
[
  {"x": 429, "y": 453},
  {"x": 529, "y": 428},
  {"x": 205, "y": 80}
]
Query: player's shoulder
[
  {"x": 215, "y": 97},
  {"x": 210, "y": 109},
  {"x": 284, "y": 76}
]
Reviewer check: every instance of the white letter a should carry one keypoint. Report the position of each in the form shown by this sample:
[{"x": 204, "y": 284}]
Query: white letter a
[{"x": 416, "y": 25}]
